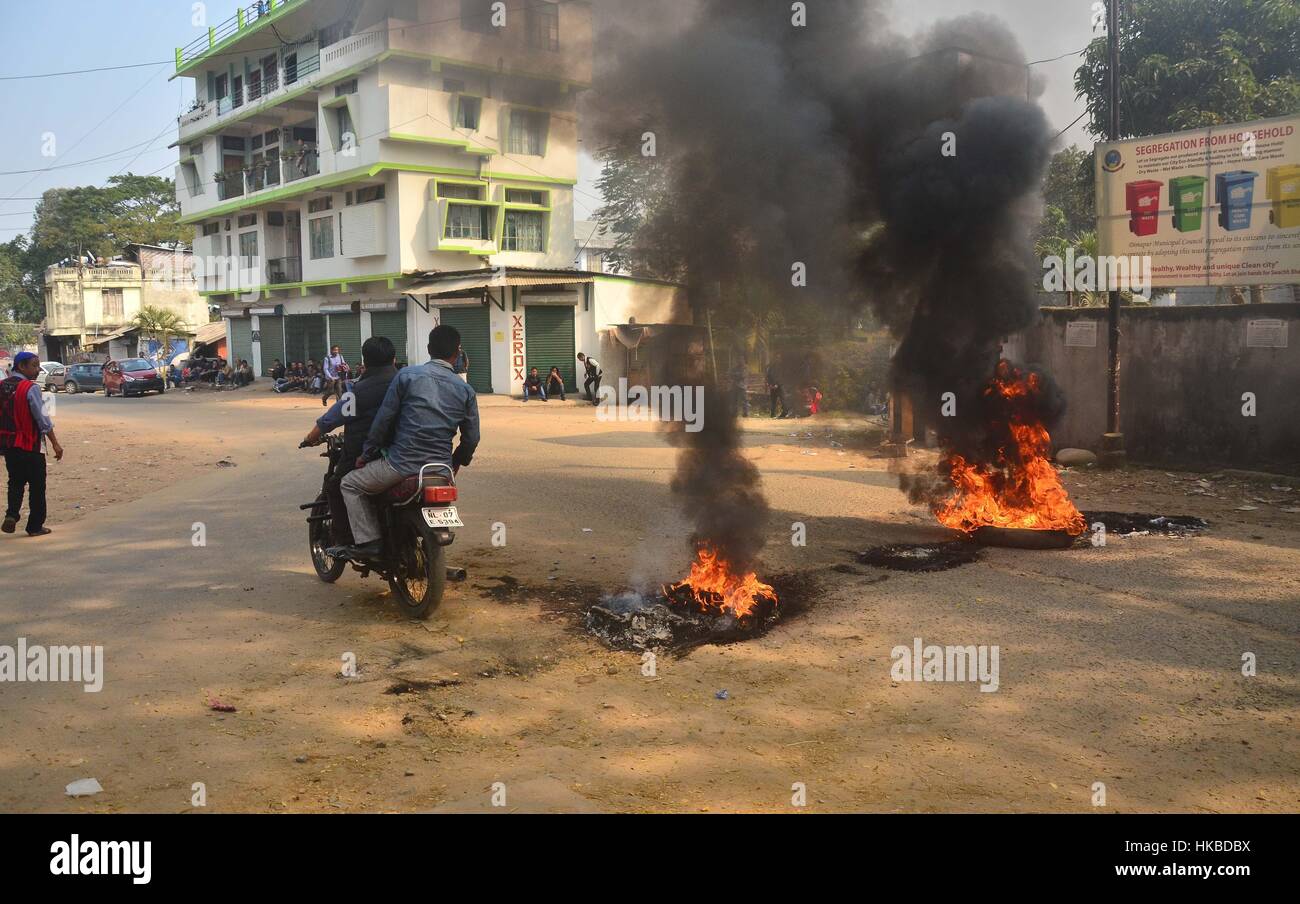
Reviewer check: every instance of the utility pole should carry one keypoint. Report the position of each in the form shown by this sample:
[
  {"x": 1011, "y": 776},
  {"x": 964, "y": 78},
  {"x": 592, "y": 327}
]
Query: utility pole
[{"x": 1112, "y": 446}]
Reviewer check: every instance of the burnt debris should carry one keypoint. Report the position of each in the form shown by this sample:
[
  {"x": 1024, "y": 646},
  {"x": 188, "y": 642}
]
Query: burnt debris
[
  {"x": 922, "y": 557},
  {"x": 1135, "y": 525}
]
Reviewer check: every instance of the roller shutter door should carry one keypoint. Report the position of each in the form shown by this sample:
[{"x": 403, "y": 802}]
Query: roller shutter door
[
  {"x": 345, "y": 332},
  {"x": 476, "y": 338},
  {"x": 304, "y": 338},
  {"x": 272, "y": 342},
  {"x": 393, "y": 326},
  {"x": 549, "y": 334},
  {"x": 241, "y": 334}
]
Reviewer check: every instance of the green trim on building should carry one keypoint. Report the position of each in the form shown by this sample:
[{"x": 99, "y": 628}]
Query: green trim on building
[
  {"x": 465, "y": 146},
  {"x": 243, "y": 31},
  {"x": 389, "y": 278},
  {"x": 316, "y": 183}
]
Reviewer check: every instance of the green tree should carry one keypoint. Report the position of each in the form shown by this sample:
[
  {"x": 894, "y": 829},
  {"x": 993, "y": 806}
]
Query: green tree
[
  {"x": 638, "y": 208},
  {"x": 1191, "y": 63},
  {"x": 103, "y": 220},
  {"x": 21, "y": 299},
  {"x": 159, "y": 325},
  {"x": 1071, "y": 187}
]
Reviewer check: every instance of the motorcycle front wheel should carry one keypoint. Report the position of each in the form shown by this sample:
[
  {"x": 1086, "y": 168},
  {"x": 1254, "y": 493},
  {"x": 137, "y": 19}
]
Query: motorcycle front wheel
[
  {"x": 421, "y": 575},
  {"x": 320, "y": 534}
]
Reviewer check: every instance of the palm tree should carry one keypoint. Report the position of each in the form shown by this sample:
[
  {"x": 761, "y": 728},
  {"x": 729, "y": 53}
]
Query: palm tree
[{"x": 160, "y": 325}]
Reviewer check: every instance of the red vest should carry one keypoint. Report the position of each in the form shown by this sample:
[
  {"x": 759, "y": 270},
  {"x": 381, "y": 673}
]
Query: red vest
[{"x": 17, "y": 428}]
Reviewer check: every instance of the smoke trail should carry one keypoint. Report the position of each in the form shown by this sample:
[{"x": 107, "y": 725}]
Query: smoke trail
[{"x": 819, "y": 144}]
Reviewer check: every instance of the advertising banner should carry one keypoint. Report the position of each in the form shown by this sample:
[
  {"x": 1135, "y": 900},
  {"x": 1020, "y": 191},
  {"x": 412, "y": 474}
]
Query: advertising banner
[{"x": 1218, "y": 206}]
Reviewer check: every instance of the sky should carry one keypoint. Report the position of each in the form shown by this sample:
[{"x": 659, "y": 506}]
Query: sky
[{"x": 123, "y": 121}]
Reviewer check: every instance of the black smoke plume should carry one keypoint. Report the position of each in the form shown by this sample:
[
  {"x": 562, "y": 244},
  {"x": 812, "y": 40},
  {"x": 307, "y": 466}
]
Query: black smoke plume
[{"x": 821, "y": 144}]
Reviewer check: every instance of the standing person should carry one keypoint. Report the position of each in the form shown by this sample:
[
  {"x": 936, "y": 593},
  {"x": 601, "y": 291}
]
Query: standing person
[
  {"x": 423, "y": 411},
  {"x": 533, "y": 387},
  {"x": 776, "y": 391},
  {"x": 461, "y": 367},
  {"x": 555, "y": 384},
  {"x": 335, "y": 369},
  {"x": 591, "y": 386},
  {"x": 23, "y": 422}
]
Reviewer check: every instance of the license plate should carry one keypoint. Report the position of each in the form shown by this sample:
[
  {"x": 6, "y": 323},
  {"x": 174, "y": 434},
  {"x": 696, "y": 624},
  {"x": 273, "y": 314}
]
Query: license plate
[{"x": 442, "y": 517}]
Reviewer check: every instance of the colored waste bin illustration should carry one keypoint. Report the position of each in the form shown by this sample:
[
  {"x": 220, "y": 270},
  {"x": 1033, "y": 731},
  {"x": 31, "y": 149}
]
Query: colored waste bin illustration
[
  {"x": 1284, "y": 192},
  {"x": 1142, "y": 199},
  {"x": 1235, "y": 194},
  {"x": 1187, "y": 195}
]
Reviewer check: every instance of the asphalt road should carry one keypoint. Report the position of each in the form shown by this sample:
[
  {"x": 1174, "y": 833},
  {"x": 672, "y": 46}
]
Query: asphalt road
[{"x": 1119, "y": 666}]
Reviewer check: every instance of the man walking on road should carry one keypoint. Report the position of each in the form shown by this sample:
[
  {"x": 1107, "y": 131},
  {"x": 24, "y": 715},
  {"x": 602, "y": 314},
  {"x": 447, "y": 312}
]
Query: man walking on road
[
  {"x": 23, "y": 422},
  {"x": 422, "y": 412},
  {"x": 591, "y": 386},
  {"x": 335, "y": 368}
]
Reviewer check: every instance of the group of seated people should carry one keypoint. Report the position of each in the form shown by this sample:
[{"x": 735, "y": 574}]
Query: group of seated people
[
  {"x": 211, "y": 370},
  {"x": 535, "y": 388},
  {"x": 236, "y": 377},
  {"x": 308, "y": 377}
]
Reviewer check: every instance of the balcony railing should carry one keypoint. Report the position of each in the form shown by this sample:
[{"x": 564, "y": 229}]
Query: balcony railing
[
  {"x": 231, "y": 187},
  {"x": 247, "y": 17},
  {"x": 302, "y": 166},
  {"x": 283, "y": 270},
  {"x": 293, "y": 75}
]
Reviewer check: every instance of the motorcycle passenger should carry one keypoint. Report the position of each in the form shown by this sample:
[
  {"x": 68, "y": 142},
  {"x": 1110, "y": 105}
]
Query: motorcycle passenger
[
  {"x": 421, "y": 414},
  {"x": 355, "y": 413}
]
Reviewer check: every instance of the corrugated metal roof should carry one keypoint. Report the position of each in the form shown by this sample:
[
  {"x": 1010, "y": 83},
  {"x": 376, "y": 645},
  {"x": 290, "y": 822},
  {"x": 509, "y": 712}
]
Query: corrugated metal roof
[
  {"x": 491, "y": 280},
  {"x": 210, "y": 332}
]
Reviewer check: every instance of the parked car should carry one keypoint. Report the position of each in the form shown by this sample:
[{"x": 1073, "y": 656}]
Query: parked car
[
  {"x": 53, "y": 375},
  {"x": 83, "y": 378},
  {"x": 134, "y": 376}
]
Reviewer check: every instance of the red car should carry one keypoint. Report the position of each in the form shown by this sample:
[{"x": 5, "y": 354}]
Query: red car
[{"x": 134, "y": 376}]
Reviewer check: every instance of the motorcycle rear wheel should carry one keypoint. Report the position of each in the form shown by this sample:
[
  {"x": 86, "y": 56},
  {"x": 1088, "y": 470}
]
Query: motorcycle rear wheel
[
  {"x": 421, "y": 576},
  {"x": 320, "y": 535}
]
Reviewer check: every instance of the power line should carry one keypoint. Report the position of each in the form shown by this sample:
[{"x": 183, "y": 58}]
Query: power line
[
  {"x": 92, "y": 131},
  {"x": 112, "y": 155}
]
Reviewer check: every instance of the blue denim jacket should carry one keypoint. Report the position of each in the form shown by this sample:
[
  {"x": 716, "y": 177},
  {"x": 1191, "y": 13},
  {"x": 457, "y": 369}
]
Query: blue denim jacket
[{"x": 422, "y": 411}]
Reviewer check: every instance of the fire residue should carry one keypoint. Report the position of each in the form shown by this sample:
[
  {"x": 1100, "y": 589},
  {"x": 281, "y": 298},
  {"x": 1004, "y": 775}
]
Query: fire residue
[
  {"x": 715, "y": 587},
  {"x": 1019, "y": 489},
  {"x": 713, "y": 606}
]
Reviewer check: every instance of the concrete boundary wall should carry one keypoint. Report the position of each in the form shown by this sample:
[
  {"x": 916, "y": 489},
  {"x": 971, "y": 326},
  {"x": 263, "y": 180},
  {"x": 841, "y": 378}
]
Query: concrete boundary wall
[{"x": 1185, "y": 375}]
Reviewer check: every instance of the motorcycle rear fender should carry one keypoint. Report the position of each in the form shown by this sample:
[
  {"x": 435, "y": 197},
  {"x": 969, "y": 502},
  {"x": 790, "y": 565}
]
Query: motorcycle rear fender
[{"x": 415, "y": 518}]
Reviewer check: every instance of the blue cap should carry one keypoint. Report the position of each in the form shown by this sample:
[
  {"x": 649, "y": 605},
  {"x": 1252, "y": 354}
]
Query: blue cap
[{"x": 24, "y": 357}]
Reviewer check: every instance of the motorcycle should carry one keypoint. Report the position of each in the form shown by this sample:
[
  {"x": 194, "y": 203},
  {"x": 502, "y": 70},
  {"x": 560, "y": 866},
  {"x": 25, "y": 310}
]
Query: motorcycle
[{"x": 418, "y": 518}]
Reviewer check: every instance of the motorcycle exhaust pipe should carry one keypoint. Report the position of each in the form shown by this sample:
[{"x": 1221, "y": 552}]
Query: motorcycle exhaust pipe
[{"x": 457, "y": 575}]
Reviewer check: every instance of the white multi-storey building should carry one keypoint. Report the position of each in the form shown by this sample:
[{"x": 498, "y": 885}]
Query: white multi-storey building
[{"x": 375, "y": 167}]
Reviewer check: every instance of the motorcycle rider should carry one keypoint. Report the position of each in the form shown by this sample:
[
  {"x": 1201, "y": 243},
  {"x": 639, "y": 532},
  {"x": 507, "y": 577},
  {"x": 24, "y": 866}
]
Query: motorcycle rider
[
  {"x": 424, "y": 408},
  {"x": 355, "y": 413}
]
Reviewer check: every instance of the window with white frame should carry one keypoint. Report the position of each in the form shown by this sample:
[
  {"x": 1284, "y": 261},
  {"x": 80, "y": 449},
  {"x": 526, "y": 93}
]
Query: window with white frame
[
  {"x": 469, "y": 221},
  {"x": 542, "y": 20},
  {"x": 248, "y": 250},
  {"x": 525, "y": 230},
  {"x": 527, "y": 133},
  {"x": 320, "y": 232},
  {"x": 525, "y": 196},
  {"x": 468, "y": 110},
  {"x": 113, "y": 310}
]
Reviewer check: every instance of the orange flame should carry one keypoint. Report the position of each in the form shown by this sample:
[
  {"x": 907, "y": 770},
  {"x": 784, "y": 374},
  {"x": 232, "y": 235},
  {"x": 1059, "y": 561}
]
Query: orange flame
[
  {"x": 1021, "y": 490},
  {"x": 714, "y": 586}
]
